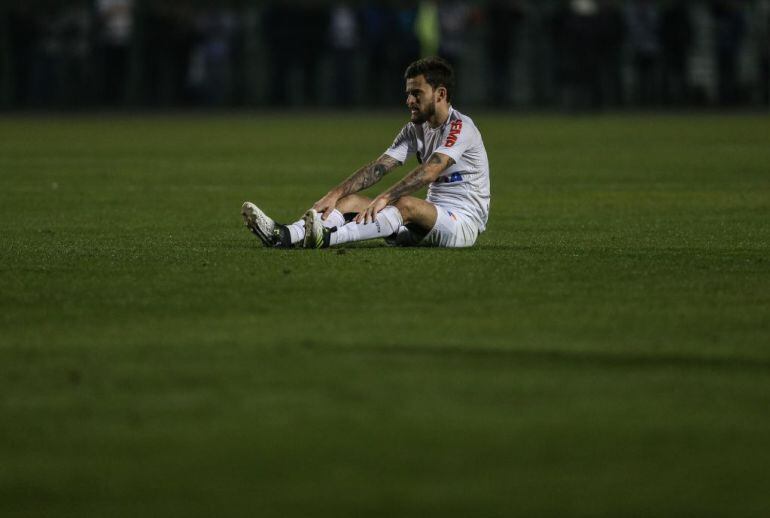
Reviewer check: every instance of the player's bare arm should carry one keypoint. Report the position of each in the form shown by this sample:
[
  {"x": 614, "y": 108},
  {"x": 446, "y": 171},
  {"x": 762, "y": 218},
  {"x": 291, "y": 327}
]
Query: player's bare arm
[
  {"x": 362, "y": 179},
  {"x": 418, "y": 178}
]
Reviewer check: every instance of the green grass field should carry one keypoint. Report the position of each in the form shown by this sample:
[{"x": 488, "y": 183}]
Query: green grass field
[{"x": 603, "y": 351}]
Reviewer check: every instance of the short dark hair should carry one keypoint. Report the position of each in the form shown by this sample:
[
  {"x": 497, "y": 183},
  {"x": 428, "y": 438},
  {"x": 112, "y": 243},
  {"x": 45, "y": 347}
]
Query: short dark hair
[{"x": 437, "y": 72}]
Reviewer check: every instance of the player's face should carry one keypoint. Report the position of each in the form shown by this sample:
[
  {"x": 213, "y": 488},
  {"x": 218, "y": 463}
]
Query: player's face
[{"x": 420, "y": 99}]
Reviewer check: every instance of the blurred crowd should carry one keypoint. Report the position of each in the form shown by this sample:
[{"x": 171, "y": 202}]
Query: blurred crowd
[{"x": 583, "y": 54}]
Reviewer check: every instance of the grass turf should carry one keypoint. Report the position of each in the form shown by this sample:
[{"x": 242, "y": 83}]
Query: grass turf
[{"x": 602, "y": 351}]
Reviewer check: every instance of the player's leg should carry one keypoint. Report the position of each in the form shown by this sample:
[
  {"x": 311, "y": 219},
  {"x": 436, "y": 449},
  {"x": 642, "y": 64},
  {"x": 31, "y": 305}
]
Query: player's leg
[
  {"x": 416, "y": 212},
  {"x": 349, "y": 205},
  {"x": 273, "y": 234},
  {"x": 410, "y": 214},
  {"x": 420, "y": 218},
  {"x": 411, "y": 221},
  {"x": 450, "y": 229}
]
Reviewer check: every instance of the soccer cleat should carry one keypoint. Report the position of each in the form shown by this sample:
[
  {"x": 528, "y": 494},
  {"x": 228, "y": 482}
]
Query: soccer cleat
[
  {"x": 259, "y": 224},
  {"x": 316, "y": 235}
]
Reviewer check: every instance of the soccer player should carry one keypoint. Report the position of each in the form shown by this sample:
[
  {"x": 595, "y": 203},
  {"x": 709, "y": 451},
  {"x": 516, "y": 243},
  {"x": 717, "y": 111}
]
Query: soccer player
[{"x": 452, "y": 163}]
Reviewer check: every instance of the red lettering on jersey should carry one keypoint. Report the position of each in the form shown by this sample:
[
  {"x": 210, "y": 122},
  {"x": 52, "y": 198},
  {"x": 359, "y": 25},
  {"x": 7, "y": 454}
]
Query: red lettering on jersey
[{"x": 454, "y": 131}]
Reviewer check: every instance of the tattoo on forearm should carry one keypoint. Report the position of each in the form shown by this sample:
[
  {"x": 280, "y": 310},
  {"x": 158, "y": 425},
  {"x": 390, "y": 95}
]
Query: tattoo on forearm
[
  {"x": 411, "y": 182},
  {"x": 420, "y": 177},
  {"x": 369, "y": 175}
]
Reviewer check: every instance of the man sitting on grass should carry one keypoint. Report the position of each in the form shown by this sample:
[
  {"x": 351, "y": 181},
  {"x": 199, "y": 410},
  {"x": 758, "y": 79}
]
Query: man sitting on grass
[{"x": 452, "y": 162}]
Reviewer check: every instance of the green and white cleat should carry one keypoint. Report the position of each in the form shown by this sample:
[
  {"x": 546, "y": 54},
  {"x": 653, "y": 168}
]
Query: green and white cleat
[
  {"x": 316, "y": 235},
  {"x": 259, "y": 224}
]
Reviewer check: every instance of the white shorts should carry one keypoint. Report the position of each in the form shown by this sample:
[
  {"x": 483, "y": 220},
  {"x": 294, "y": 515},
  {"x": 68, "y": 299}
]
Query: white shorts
[{"x": 452, "y": 230}]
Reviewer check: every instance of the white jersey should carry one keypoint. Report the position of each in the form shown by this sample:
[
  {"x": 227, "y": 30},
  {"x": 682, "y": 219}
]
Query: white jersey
[{"x": 465, "y": 185}]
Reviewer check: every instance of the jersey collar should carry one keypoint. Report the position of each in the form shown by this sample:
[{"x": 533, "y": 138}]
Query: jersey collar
[{"x": 448, "y": 118}]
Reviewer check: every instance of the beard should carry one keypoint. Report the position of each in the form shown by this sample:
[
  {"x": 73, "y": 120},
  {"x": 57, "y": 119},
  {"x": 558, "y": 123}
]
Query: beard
[{"x": 422, "y": 116}]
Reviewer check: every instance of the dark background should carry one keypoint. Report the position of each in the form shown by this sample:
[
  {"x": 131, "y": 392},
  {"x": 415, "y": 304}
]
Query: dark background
[{"x": 576, "y": 54}]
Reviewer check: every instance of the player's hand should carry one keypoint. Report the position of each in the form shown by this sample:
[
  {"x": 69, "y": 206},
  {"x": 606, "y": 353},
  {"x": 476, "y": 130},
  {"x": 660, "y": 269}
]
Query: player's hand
[
  {"x": 326, "y": 205},
  {"x": 368, "y": 215}
]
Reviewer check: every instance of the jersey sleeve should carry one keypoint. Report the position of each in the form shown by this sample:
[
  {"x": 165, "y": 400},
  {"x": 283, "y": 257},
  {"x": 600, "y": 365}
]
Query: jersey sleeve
[
  {"x": 457, "y": 140},
  {"x": 403, "y": 145}
]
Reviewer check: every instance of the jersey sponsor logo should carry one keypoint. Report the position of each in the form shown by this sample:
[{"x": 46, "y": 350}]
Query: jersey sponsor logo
[
  {"x": 452, "y": 178},
  {"x": 451, "y": 215},
  {"x": 454, "y": 131}
]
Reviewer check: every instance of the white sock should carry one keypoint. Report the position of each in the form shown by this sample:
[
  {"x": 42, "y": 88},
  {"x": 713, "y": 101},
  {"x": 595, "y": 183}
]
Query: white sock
[
  {"x": 335, "y": 219},
  {"x": 297, "y": 229},
  {"x": 386, "y": 223}
]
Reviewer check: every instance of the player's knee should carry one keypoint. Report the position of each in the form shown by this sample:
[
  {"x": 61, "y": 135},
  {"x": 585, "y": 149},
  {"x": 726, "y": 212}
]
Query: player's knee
[
  {"x": 406, "y": 207},
  {"x": 343, "y": 204},
  {"x": 351, "y": 203}
]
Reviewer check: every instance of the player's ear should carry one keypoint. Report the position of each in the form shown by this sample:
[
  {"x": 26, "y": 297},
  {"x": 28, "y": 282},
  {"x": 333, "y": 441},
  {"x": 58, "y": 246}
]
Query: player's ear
[{"x": 441, "y": 93}]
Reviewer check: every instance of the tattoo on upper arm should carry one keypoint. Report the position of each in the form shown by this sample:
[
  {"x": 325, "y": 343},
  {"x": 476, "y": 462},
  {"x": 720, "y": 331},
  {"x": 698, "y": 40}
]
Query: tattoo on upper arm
[{"x": 438, "y": 160}]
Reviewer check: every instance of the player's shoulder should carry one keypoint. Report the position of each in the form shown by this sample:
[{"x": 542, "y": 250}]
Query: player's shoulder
[
  {"x": 462, "y": 125},
  {"x": 410, "y": 128},
  {"x": 456, "y": 115}
]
